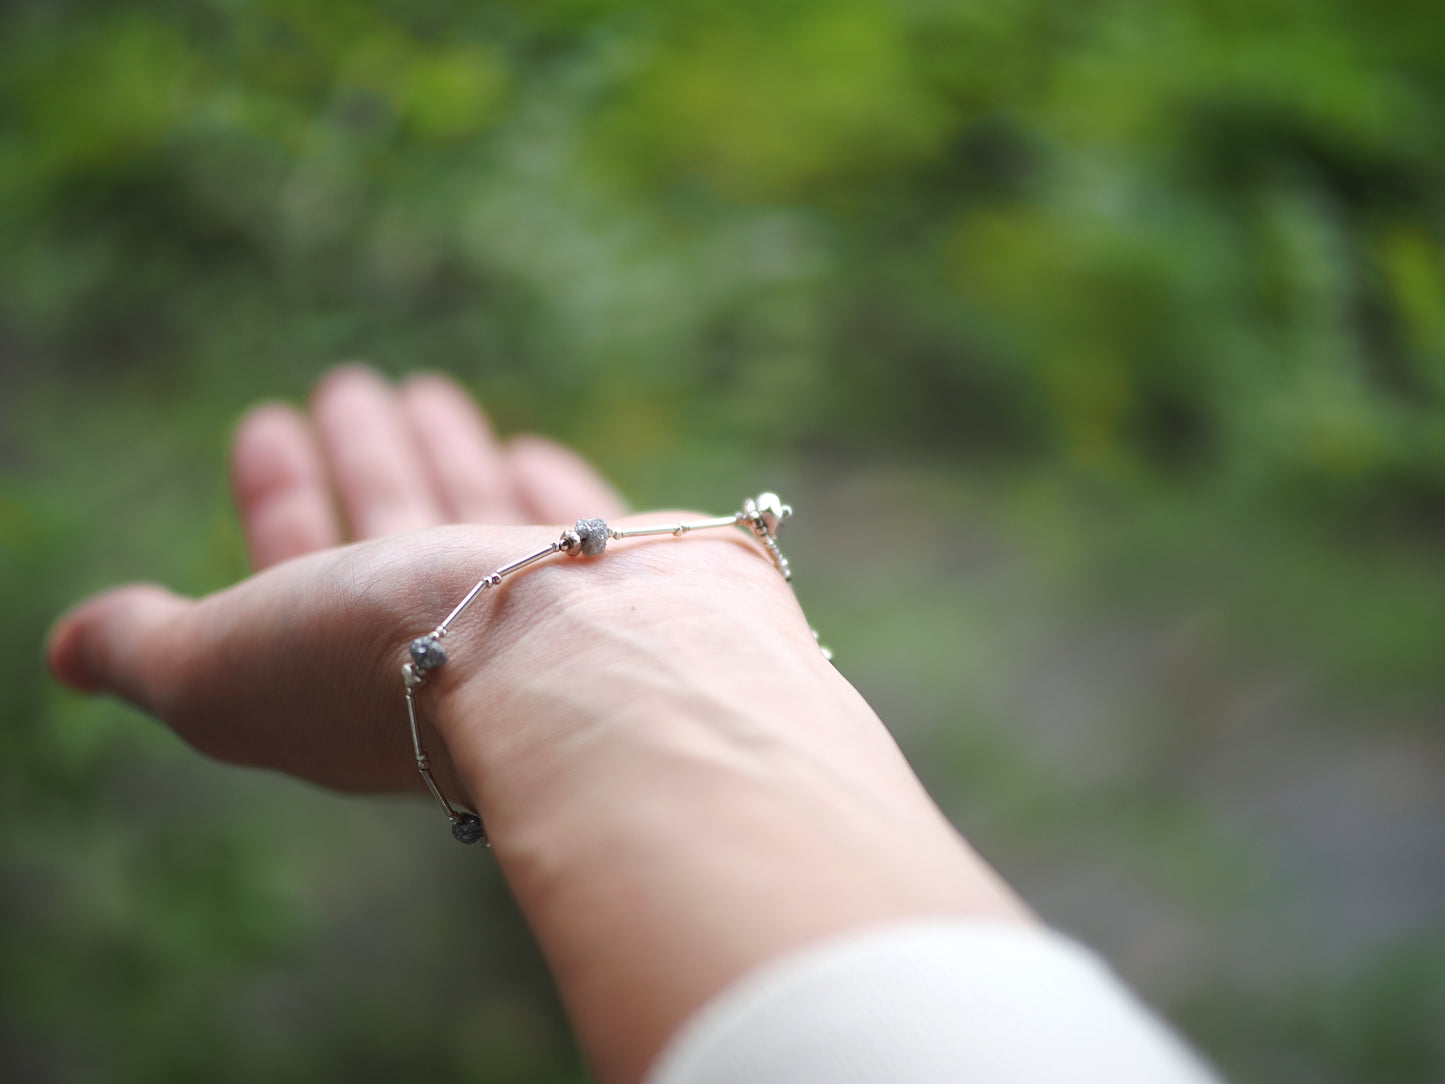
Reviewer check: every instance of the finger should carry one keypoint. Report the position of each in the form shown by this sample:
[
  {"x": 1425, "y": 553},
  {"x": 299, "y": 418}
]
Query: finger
[
  {"x": 554, "y": 484},
  {"x": 374, "y": 461},
  {"x": 462, "y": 456},
  {"x": 118, "y": 643},
  {"x": 280, "y": 486}
]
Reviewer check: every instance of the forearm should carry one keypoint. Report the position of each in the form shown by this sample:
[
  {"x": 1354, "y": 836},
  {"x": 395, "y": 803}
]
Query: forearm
[
  {"x": 679, "y": 787},
  {"x": 713, "y": 796}
]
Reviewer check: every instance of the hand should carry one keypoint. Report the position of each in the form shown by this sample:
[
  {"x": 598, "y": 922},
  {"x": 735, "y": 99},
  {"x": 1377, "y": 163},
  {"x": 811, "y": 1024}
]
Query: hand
[{"x": 297, "y": 668}]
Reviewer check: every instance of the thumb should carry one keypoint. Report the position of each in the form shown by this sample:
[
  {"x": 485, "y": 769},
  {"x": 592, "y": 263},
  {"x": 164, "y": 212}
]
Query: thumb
[{"x": 116, "y": 642}]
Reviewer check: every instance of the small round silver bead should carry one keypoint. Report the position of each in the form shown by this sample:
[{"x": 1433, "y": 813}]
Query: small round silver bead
[
  {"x": 772, "y": 511},
  {"x": 412, "y": 675}
]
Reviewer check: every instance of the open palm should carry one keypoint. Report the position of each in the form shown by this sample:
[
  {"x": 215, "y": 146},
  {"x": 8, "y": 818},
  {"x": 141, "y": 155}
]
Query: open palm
[{"x": 355, "y": 520}]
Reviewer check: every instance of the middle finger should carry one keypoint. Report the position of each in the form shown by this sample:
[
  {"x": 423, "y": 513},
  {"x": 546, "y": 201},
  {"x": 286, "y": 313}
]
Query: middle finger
[{"x": 378, "y": 470}]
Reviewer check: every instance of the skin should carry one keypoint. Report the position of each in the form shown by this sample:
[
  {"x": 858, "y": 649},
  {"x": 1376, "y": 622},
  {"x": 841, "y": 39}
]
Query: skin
[{"x": 677, "y": 785}]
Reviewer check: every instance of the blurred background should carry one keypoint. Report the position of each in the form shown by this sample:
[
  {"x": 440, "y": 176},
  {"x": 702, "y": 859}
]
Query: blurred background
[{"x": 1100, "y": 347}]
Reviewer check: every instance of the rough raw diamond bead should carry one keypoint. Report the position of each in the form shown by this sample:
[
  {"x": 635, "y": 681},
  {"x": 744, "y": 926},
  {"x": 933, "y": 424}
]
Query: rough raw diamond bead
[
  {"x": 593, "y": 533},
  {"x": 427, "y": 653},
  {"x": 468, "y": 829}
]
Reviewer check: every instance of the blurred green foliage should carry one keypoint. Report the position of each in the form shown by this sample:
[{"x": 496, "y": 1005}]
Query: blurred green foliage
[
  {"x": 1194, "y": 239},
  {"x": 1168, "y": 277}
]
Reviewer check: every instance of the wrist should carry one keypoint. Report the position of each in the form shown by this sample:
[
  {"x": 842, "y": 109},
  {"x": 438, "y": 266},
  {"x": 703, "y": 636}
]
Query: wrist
[
  {"x": 678, "y": 786},
  {"x": 579, "y": 654}
]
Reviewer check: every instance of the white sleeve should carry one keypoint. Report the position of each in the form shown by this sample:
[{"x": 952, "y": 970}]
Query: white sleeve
[{"x": 929, "y": 1002}]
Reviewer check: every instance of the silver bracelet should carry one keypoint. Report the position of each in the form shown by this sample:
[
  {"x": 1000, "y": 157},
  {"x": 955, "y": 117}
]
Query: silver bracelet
[{"x": 763, "y": 516}]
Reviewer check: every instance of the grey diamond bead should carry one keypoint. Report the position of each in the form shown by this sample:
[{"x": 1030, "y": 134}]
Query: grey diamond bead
[
  {"x": 593, "y": 533},
  {"x": 467, "y": 828},
  {"x": 427, "y": 653}
]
